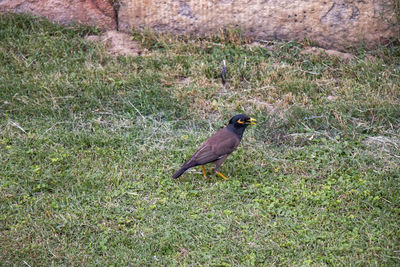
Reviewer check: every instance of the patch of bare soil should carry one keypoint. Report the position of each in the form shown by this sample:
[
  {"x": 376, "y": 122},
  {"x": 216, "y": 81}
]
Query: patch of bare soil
[
  {"x": 306, "y": 50},
  {"x": 271, "y": 48},
  {"x": 332, "y": 53},
  {"x": 118, "y": 43}
]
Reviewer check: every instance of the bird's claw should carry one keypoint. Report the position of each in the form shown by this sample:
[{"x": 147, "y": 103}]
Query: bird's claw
[{"x": 223, "y": 176}]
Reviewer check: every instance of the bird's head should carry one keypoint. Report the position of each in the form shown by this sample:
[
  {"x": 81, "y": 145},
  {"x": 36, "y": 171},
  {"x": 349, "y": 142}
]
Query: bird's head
[{"x": 242, "y": 120}]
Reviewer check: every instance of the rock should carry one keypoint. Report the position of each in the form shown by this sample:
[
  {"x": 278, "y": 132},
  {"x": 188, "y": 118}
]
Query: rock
[
  {"x": 98, "y": 13},
  {"x": 329, "y": 52},
  {"x": 332, "y": 24},
  {"x": 118, "y": 43}
]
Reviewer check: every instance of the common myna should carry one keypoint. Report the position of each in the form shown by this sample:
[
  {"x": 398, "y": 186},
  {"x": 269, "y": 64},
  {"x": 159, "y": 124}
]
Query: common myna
[{"x": 218, "y": 147}]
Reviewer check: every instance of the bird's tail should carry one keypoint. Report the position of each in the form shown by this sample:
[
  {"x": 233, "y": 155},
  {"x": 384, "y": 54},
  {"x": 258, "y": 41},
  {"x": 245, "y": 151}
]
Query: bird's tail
[{"x": 184, "y": 168}]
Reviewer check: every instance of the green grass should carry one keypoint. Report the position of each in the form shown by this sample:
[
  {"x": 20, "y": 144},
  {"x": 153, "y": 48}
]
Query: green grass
[{"x": 89, "y": 142}]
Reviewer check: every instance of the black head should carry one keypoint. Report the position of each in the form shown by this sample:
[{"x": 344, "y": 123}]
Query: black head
[{"x": 241, "y": 121}]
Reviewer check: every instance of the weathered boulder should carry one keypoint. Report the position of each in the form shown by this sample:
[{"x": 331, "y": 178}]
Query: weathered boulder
[
  {"x": 336, "y": 24},
  {"x": 329, "y": 23},
  {"x": 98, "y": 13}
]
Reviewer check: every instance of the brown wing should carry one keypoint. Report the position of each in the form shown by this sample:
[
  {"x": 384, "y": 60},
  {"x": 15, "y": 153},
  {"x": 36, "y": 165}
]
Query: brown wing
[{"x": 217, "y": 146}]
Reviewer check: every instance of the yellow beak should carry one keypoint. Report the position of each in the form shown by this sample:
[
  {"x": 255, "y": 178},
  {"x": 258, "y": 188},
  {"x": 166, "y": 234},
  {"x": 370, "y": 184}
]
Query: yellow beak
[{"x": 252, "y": 121}]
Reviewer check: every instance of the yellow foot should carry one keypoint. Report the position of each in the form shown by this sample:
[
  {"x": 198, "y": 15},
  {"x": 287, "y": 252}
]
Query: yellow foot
[
  {"x": 223, "y": 176},
  {"x": 204, "y": 171}
]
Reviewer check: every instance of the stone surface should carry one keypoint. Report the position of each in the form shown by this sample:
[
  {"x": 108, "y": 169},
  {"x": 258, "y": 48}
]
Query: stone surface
[
  {"x": 98, "y": 13},
  {"x": 334, "y": 24}
]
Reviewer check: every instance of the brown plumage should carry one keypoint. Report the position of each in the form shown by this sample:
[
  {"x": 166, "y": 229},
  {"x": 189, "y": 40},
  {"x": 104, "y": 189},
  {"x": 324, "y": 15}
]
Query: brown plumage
[{"x": 219, "y": 146}]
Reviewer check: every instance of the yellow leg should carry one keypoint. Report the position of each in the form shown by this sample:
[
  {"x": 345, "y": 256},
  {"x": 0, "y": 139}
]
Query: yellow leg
[
  {"x": 223, "y": 176},
  {"x": 204, "y": 171}
]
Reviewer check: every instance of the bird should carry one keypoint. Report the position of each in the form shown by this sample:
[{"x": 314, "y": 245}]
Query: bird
[{"x": 219, "y": 146}]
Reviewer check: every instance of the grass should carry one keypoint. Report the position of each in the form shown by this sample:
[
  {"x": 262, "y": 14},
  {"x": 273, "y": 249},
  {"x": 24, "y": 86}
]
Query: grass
[{"x": 89, "y": 142}]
